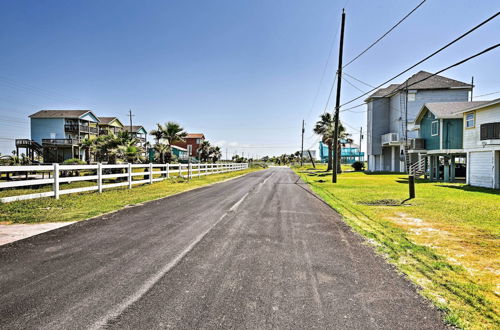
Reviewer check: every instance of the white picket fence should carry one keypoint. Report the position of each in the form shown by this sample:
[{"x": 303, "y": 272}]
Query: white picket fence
[{"x": 152, "y": 171}]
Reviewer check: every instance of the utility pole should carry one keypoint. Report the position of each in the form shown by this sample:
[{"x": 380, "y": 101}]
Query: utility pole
[
  {"x": 130, "y": 116},
  {"x": 337, "y": 102},
  {"x": 471, "y": 88},
  {"x": 360, "y": 140},
  {"x": 302, "y": 145}
]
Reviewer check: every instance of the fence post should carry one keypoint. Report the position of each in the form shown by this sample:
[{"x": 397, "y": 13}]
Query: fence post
[
  {"x": 190, "y": 170},
  {"x": 129, "y": 176},
  {"x": 150, "y": 173},
  {"x": 56, "y": 181},
  {"x": 99, "y": 177},
  {"x": 411, "y": 186},
  {"x": 168, "y": 170}
]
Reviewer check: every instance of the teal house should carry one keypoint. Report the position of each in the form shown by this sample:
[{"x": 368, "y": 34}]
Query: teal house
[
  {"x": 349, "y": 153},
  {"x": 440, "y": 127}
]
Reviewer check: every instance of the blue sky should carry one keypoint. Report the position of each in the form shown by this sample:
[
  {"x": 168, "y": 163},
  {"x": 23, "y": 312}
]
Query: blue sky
[{"x": 245, "y": 73}]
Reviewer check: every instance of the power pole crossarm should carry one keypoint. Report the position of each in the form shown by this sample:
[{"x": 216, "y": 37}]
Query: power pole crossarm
[{"x": 336, "y": 157}]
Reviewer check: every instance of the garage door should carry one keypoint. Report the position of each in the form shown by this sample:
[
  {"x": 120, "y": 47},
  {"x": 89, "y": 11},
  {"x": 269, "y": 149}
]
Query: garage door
[{"x": 480, "y": 169}]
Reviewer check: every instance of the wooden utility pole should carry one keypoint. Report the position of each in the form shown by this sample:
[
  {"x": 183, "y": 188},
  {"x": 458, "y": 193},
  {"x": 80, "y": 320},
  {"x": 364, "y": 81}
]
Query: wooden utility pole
[
  {"x": 302, "y": 145},
  {"x": 360, "y": 140},
  {"x": 337, "y": 102},
  {"x": 471, "y": 88},
  {"x": 130, "y": 115}
]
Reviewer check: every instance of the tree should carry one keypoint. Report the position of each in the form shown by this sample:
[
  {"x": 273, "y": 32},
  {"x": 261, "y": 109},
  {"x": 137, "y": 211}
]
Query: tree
[
  {"x": 163, "y": 150},
  {"x": 215, "y": 153},
  {"x": 204, "y": 151},
  {"x": 325, "y": 128},
  {"x": 89, "y": 145}
]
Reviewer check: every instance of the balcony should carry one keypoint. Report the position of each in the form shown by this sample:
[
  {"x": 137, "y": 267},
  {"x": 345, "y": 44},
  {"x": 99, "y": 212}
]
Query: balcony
[
  {"x": 390, "y": 139},
  {"x": 80, "y": 128},
  {"x": 60, "y": 142}
]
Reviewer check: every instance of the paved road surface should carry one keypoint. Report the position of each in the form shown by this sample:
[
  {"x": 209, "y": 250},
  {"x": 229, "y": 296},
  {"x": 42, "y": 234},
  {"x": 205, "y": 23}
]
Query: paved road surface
[{"x": 256, "y": 252}]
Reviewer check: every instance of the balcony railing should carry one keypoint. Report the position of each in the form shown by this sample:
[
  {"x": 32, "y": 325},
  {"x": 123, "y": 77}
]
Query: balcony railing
[
  {"x": 390, "y": 138},
  {"x": 60, "y": 141},
  {"x": 80, "y": 128}
]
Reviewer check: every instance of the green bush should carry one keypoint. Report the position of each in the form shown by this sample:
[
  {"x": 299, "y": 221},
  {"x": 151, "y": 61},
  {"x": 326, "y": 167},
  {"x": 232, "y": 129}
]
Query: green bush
[
  {"x": 358, "y": 166},
  {"x": 74, "y": 161}
]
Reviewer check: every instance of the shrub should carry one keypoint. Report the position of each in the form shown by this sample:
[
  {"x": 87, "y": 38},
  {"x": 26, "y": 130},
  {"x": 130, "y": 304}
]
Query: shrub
[
  {"x": 74, "y": 161},
  {"x": 358, "y": 166}
]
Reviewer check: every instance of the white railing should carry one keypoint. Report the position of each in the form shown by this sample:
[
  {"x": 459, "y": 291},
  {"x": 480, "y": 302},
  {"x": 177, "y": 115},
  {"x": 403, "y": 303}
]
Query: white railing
[
  {"x": 417, "y": 168},
  {"x": 390, "y": 138},
  {"x": 104, "y": 175}
]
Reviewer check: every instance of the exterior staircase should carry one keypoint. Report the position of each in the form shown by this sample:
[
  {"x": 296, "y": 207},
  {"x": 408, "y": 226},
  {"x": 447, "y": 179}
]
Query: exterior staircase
[{"x": 417, "y": 169}]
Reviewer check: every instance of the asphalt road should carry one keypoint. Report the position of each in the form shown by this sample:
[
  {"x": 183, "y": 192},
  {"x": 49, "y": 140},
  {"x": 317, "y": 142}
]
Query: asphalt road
[{"x": 256, "y": 252}]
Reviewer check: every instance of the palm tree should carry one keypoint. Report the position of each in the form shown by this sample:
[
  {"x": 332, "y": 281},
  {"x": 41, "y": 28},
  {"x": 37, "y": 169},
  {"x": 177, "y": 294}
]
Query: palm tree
[
  {"x": 162, "y": 149},
  {"x": 89, "y": 144},
  {"x": 215, "y": 153},
  {"x": 325, "y": 128},
  {"x": 130, "y": 152},
  {"x": 204, "y": 151}
]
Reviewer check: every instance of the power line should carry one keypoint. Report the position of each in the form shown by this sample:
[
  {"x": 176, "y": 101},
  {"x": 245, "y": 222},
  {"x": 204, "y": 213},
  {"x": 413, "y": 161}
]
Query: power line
[
  {"x": 324, "y": 72},
  {"x": 487, "y": 94},
  {"x": 434, "y": 74},
  {"x": 358, "y": 80},
  {"x": 350, "y": 83},
  {"x": 385, "y": 34},
  {"x": 425, "y": 59},
  {"x": 331, "y": 90}
]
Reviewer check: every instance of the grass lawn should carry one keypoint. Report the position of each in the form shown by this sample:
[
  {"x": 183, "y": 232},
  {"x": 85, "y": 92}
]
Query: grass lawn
[
  {"x": 446, "y": 240},
  {"x": 74, "y": 207}
]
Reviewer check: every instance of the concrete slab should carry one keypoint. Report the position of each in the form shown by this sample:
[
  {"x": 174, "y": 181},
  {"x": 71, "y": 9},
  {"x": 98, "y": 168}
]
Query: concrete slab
[{"x": 15, "y": 232}]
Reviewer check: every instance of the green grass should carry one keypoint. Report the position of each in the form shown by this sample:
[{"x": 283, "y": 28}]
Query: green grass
[
  {"x": 446, "y": 240},
  {"x": 74, "y": 207}
]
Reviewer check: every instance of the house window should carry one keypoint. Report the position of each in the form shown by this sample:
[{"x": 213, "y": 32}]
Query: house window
[
  {"x": 470, "y": 120},
  {"x": 198, "y": 141},
  {"x": 490, "y": 131},
  {"x": 190, "y": 149},
  {"x": 411, "y": 96},
  {"x": 435, "y": 128}
]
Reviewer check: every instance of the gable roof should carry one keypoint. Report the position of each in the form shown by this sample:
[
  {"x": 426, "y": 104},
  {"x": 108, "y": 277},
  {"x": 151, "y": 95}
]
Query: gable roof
[
  {"x": 431, "y": 82},
  {"x": 61, "y": 114},
  {"x": 480, "y": 105},
  {"x": 447, "y": 110},
  {"x": 195, "y": 136},
  {"x": 136, "y": 128}
]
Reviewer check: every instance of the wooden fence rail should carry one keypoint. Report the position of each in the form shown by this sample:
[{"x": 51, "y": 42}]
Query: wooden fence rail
[{"x": 118, "y": 174}]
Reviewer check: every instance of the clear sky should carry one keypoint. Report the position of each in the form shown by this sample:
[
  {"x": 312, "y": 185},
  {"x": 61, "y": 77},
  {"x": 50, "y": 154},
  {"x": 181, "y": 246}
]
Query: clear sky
[{"x": 245, "y": 73}]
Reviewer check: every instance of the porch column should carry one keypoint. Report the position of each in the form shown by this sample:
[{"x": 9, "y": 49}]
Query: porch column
[
  {"x": 393, "y": 159},
  {"x": 467, "y": 168},
  {"x": 452, "y": 170},
  {"x": 446, "y": 170}
]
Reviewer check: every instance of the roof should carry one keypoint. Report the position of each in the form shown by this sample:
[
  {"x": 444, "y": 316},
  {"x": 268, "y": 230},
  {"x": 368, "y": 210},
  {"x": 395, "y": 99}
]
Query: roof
[
  {"x": 480, "y": 105},
  {"x": 106, "y": 120},
  {"x": 135, "y": 128},
  {"x": 60, "y": 114},
  {"x": 431, "y": 82},
  {"x": 195, "y": 136},
  {"x": 448, "y": 110},
  {"x": 179, "y": 148}
]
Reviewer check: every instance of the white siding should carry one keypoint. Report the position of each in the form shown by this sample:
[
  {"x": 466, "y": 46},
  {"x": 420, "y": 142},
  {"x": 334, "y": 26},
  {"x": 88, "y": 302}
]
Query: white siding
[
  {"x": 481, "y": 165},
  {"x": 472, "y": 135}
]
